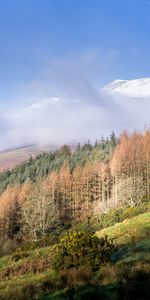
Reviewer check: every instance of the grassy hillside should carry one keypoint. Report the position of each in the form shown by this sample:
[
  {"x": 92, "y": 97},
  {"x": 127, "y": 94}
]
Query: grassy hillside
[
  {"x": 133, "y": 237},
  {"x": 26, "y": 274},
  {"x": 130, "y": 230}
]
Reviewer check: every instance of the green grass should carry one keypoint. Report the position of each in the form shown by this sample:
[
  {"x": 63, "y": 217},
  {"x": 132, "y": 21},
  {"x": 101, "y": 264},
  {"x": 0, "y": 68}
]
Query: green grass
[
  {"x": 133, "y": 239},
  {"x": 130, "y": 230},
  {"x": 28, "y": 274},
  {"x": 4, "y": 262}
]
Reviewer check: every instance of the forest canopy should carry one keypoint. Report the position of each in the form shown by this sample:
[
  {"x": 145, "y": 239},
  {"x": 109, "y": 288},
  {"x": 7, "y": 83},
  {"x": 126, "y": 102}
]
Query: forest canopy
[{"x": 67, "y": 186}]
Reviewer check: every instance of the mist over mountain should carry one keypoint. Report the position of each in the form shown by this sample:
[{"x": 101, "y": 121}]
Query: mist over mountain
[{"x": 69, "y": 119}]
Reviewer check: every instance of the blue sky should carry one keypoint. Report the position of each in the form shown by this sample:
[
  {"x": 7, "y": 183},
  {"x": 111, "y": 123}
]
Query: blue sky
[
  {"x": 35, "y": 31},
  {"x": 70, "y": 49}
]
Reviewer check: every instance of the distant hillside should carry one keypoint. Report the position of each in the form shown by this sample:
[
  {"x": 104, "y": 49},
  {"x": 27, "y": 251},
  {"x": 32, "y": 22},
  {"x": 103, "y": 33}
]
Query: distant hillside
[{"x": 9, "y": 158}]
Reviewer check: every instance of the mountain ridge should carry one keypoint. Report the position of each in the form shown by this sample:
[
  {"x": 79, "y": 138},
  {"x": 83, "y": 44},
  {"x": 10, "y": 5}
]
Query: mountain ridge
[{"x": 132, "y": 88}]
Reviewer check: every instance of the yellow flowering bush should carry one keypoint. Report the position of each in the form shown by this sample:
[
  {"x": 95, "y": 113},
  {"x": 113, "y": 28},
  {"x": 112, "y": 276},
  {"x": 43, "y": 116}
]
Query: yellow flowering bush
[{"x": 79, "y": 248}]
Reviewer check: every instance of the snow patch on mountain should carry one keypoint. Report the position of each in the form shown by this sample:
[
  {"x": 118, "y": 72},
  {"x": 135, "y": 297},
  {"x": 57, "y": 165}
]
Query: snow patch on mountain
[{"x": 139, "y": 88}]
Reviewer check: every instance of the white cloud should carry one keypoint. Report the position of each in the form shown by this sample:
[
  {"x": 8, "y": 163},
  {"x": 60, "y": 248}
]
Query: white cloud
[{"x": 66, "y": 106}]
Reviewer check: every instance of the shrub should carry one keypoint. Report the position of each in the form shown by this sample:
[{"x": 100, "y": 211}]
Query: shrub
[
  {"x": 46, "y": 240},
  {"x": 79, "y": 248}
]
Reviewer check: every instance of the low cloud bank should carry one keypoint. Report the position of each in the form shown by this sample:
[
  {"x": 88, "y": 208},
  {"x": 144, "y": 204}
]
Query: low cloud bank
[
  {"x": 67, "y": 107},
  {"x": 56, "y": 121}
]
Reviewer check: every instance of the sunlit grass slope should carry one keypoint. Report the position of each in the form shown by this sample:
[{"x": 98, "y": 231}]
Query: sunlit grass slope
[{"x": 29, "y": 274}]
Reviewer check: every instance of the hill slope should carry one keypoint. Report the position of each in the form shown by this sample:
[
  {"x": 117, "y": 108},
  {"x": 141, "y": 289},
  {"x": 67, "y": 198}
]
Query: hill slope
[
  {"x": 9, "y": 158},
  {"x": 29, "y": 273},
  {"x": 134, "y": 236},
  {"x": 134, "y": 229}
]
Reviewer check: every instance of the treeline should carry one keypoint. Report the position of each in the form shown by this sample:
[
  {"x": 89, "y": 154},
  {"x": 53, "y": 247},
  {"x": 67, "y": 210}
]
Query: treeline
[
  {"x": 95, "y": 178},
  {"x": 39, "y": 167}
]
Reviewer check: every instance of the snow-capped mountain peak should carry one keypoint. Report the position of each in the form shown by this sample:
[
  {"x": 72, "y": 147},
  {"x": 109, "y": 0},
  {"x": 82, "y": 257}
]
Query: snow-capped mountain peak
[
  {"x": 114, "y": 84},
  {"x": 133, "y": 88}
]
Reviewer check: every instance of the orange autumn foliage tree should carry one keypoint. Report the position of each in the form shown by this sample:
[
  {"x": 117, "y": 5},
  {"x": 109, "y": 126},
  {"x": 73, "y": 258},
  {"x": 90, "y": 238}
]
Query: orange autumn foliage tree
[{"x": 71, "y": 195}]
